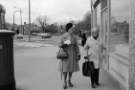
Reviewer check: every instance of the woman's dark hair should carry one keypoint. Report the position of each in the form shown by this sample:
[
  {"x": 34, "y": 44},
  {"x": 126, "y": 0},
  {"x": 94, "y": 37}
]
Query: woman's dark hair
[{"x": 68, "y": 26}]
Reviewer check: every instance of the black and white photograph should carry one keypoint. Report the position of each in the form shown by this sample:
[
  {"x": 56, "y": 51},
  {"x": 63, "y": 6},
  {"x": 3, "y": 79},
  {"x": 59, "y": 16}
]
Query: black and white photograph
[{"x": 67, "y": 44}]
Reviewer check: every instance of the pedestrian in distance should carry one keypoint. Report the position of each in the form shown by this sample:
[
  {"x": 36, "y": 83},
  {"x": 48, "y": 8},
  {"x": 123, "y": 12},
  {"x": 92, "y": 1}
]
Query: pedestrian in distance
[
  {"x": 83, "y": 38},
  {"x": 71, "y": 64}
]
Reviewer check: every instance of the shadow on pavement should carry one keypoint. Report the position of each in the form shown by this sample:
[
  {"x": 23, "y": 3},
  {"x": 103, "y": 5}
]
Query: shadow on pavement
[{"x": 19, "y": 88}]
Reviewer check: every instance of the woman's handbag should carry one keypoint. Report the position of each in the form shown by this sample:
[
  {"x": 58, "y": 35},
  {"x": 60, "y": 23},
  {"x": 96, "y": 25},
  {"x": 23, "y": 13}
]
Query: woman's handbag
[
  {"x": 62, "y": 54},
  {"x": 88, "y": 67}
]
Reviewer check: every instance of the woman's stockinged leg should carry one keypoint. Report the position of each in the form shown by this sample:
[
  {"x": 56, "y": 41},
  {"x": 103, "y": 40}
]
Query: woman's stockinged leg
[
  {"x": 65, "y": 76},
  {"x": 69, "y": 81},
  {"x": 65, "y": 80},
  {"x": 70, "y": 75}
]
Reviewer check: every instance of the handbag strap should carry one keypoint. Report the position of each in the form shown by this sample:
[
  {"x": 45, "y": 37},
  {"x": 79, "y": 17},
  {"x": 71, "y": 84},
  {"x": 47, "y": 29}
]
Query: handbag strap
[
  {"x": 61, "y": 69},
  {"x": 87, "y": 54},
  {"x": 62, "y": 49}
]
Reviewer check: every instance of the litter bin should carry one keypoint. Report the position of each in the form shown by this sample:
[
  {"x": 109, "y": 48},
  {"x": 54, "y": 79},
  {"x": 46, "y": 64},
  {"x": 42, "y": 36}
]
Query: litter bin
[{"x": 7, "y": 79}]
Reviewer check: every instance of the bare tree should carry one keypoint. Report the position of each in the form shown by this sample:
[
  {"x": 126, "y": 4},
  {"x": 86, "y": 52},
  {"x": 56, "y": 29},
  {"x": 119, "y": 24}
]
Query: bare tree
[
  {"x": 42, "y": 21},
  {"x": 85, "y": 24}
]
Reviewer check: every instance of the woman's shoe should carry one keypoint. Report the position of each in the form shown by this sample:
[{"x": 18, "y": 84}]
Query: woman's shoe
[
  {"x": 93, "y": 86},
  {"x": 70, "y": 84},
  {"x": 65, "y": 86},
  {"x": 97, "y": 84}
]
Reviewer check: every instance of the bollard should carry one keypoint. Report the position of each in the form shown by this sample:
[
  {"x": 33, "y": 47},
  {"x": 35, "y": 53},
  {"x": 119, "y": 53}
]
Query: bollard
[{"x": 7, "y": 79}]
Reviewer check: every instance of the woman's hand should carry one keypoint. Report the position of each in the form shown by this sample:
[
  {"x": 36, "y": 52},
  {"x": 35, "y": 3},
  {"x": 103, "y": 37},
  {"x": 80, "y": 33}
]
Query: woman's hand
[
  {"x": 63, "y": 45},
  {"x": 87, "y": 47},
  {"x": 78, "y": 57},
  {"x": 85, "y": 57}
]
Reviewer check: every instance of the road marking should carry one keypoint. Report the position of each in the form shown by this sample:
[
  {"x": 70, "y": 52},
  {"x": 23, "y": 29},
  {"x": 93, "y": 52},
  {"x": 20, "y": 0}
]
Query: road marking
[{"x": 27, "y": 44}]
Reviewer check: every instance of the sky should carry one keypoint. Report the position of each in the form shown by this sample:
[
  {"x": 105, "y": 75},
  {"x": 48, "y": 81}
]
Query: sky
[{"x": 58, "y": 10}]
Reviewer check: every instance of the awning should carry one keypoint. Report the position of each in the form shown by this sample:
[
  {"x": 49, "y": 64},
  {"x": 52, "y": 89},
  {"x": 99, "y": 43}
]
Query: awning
[{"x": 96, "y": 3}]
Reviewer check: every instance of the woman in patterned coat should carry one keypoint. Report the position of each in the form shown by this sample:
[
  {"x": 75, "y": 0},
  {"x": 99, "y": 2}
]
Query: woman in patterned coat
[{"x": 69, "y": 65}]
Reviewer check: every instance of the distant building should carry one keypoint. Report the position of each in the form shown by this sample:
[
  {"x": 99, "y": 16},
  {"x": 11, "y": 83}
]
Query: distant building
[{"x": 120, "y": 27}]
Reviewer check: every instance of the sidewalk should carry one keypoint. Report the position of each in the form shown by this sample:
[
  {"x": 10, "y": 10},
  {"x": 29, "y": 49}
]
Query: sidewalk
[{"x": 37, "y": 69}]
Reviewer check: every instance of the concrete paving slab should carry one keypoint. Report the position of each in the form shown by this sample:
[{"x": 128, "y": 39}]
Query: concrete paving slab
[{"x": 37, "y": 69}]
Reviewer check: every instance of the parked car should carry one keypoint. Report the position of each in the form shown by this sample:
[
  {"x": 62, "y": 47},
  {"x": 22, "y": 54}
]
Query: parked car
[
  {"x": 44, "y": 35},
  {"x": 19, "y": 36}
]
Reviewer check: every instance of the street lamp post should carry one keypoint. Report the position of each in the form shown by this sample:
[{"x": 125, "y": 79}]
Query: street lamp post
[
  {"x": 21, "y": 18},
  {"x": 14, "y": 19},
  {"x": 20, "y": 11},
  {"x": 29, "y": 5}
]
